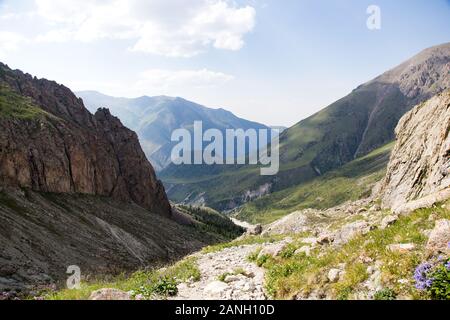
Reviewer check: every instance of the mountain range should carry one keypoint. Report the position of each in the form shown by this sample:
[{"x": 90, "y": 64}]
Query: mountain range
[
  {"x": 345, "y": 130},
  {"x": 155, "y": 118}
]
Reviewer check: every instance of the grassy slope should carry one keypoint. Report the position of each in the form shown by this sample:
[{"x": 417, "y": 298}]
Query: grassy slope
[
  {"x": 290, "y": 274},
  {"x": 13, "y": 105},
  {"x": 350, "y": 182},
  {"x": 324, "y": 141}
]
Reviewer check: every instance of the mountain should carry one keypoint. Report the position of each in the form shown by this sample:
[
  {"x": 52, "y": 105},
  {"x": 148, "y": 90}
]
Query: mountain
[
  {"x": 155, "y": 118},
  {"x": 77, "y": 189},
  {"x": 347, "y": 129}
]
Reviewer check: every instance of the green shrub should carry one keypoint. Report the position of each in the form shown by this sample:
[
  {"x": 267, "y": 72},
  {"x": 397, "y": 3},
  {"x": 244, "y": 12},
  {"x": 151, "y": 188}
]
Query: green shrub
[
  {"x": 440, "y": 288},
  {"x": 165, "y": 286},
  {"x": 385, "y": 294},
  {"x": 262, "y": 260}
]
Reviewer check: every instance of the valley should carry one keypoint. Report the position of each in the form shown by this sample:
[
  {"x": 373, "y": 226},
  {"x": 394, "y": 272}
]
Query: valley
[{"x": 360, "y": 203}]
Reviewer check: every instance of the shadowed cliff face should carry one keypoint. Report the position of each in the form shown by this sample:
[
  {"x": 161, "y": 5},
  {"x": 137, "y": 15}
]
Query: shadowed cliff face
[{"x": 50, "y": 142}]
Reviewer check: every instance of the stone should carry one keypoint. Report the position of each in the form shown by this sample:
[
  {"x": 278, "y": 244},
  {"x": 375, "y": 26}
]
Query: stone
[
  {"x": 110, "y": 294},
  {"x": 231, "y": 278},
  {"x": 248, "y": 287},
  {"x": 401, "y": 247},
  {"x": 351, "y": 230},
  {"x": 272, "y": 249},
  {"x": 216, "y": 288},
  {"x": 334, "y": 275},
  {"x": 387, "y": 221},
  {"x": 255, "y": 230},
  {"x": 439, "y": 240},
  {"x": 305, "y": 249},
  {"x": 325, "y": 238}
]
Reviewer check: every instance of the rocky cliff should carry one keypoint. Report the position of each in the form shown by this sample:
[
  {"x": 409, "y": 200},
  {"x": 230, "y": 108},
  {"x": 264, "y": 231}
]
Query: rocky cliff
[
  {"x": 420, "y": 161},
  {"x": 50, "y": 142}
]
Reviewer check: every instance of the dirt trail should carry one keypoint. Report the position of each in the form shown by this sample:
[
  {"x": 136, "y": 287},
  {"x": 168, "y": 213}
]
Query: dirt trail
[{"x": 245, "y": 282}]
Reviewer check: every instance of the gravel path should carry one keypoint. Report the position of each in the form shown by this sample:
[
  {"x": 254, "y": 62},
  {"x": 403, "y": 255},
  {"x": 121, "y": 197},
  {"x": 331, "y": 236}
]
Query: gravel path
[{"x": 246, "y": 286}]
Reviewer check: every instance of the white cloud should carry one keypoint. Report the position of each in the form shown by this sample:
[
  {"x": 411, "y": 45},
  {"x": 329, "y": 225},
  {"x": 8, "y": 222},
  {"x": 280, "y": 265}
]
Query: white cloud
[
  {"x": 10, "y": 42},
  {"x": 170, "y": 80},
  {"x": 177, "y": 28}
]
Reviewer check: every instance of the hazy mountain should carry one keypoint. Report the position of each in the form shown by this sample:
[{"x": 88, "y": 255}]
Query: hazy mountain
[
  {"x": 155, "y": 118},
  {"x": 347, "y": 129}
]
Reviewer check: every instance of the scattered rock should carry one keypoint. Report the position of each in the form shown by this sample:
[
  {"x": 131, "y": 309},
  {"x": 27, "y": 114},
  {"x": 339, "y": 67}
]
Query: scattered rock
[
  {"x": 401, "y": 247},
  {"x": 439, "y": 241},
  {"x": 305, "y": 249},
  {"x": 387, "y": 221},
  {"x": 216, "y": 288},
  {"x": 273, "y": 249},
  {"x": 351, "y": 230},
  {"x": 334, "y": 275},
  {"x": 110, "y": 294},
  {"x": 255, "y": 230},
  {"x": 231, "y": 278},
  {"x": 326, "y": 238}
]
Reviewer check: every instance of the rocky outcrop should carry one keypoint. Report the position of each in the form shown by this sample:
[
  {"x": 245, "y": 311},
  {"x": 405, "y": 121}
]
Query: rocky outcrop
[
  {"x": 66, "y": 149},
  {"x": 420, "y": 162}
]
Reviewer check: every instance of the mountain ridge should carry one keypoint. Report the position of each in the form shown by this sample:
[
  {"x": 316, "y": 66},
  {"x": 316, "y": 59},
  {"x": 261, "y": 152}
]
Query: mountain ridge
[
  {"x": 349, "y": 128},
  {"x": 155, "y": 118}
]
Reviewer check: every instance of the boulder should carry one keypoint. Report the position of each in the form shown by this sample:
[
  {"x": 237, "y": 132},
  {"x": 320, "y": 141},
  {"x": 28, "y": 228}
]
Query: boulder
[
  {"x": 439, "y": 240},
  {"x": 334, "y": 275},
  {"x": 351, "y": 230},
  {"x": 273, "y": 249},
  {"x": 110, "y": 294},
  {"x": 305, "y": 249},
  {"x": 255, "y": 230},
  {"x": 401, "y": 247},
  {"x": 216, "y": 288},
  {"x": 387, "y": 221}
]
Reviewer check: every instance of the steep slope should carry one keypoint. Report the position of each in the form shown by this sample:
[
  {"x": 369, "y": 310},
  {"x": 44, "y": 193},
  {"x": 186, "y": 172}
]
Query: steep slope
[
  {"x": 349, "y": 128},
  {"x": 77, "y": 189},
  {"x": 420, "y": 162},
  {"x": 155, "y": 118},
  {"x": 42, "y": 234},
  {"x": 52, "y": 143},
  {"x": 351, "y": 182}
]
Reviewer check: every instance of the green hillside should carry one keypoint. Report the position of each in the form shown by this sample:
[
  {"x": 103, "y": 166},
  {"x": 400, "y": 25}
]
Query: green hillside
[
  {"x": 350, "y": 182},
  {"x": 349, "y": 128}
]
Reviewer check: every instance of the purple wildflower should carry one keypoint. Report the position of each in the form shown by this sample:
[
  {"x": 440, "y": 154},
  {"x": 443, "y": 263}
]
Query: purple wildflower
[
  {"x": 421, "y": 276},
  {"x": 447, "y": 265}
]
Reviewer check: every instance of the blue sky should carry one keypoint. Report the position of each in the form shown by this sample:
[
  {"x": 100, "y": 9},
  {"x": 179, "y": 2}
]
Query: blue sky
[{"x": 271, "y": 61}]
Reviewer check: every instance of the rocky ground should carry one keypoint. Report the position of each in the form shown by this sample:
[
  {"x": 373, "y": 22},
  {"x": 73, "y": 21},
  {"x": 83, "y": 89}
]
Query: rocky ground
[{"x": 226, "y": 275}]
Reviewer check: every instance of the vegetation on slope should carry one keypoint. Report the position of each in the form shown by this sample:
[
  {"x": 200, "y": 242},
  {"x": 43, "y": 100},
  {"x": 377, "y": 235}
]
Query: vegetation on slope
[
  {"x": 350, "y": 182},
  {"x": 13, "y": 105},
  {"x": 150, "y": 284},
  {"x": 290, "y": 274},
  {"x": 210, "y": 221}
]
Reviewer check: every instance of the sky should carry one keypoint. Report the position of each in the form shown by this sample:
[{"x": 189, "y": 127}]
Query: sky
[{"x": 271, "y": 61}]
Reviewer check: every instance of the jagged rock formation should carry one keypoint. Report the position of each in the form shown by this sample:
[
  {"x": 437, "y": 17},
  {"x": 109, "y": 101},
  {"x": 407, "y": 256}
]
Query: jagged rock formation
[
  {"x": 52, "y": 143},
  {"x": 420, "y": 161},
  {"x": 76, "y": 189}
]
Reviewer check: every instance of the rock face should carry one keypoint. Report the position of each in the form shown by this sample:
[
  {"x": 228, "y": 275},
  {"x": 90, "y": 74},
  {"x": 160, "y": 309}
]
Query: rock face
[
  {"x": 59, "y": 146},
  {"x": 439, "y": 240},
  {"x": 420, "y": 161}
]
